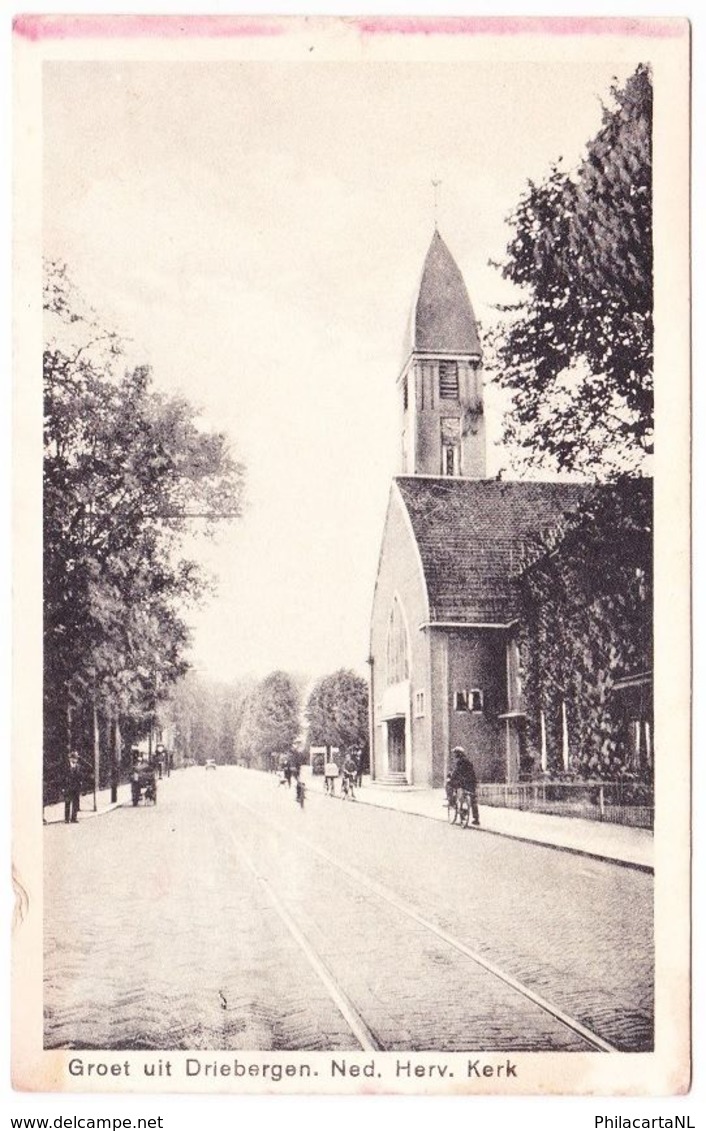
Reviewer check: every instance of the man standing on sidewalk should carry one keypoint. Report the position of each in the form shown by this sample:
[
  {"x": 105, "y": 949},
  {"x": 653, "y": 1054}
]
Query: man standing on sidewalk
[
  {"x": 359, "y": 768},
  {"x": 159, "y": 760},
  {"x": 463, "y": 776},
  {"x": 72, "y": 788}
]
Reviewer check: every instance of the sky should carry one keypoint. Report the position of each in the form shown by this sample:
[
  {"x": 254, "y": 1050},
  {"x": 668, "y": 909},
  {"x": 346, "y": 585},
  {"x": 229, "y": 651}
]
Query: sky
[{"x": 257, "y": 231}]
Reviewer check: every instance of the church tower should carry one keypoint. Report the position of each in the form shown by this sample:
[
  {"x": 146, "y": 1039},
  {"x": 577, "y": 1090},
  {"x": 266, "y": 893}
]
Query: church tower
[{"x": 441, "y": 384}]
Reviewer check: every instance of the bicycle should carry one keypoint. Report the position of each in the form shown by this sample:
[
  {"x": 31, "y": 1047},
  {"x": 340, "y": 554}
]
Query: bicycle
[
  {"x": 459, "y": 807},
  {"x": 347, "y": 788}
]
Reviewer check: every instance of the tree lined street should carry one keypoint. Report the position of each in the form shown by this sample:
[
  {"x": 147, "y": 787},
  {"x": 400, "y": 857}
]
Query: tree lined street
[
  {"x": 237, "y": 920},
  {"x": 226, "y": 916},
  {"x": 125, "y": 470}
]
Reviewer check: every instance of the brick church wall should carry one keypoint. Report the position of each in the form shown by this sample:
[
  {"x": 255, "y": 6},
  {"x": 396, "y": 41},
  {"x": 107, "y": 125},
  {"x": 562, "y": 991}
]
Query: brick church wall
[
  {"x": 400, "y": 573},
  {"x": 477, "y": 659}
]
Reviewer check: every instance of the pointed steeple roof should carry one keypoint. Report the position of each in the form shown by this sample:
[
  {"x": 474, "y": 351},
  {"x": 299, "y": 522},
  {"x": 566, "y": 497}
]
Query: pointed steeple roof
[{"x": 443, "y": 320}]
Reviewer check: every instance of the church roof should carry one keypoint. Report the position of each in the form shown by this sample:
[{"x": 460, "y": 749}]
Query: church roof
[
  {"x": 443, "y": 320},
  {"x": 473, "y": 537}
]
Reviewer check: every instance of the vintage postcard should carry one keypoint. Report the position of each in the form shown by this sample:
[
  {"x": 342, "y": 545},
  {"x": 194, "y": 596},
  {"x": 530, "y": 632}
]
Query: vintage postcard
[{"x": 351, "y": 646}]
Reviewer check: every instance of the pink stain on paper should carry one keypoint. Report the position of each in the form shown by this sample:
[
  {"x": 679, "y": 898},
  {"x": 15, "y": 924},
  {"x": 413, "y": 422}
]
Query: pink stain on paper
[
  {"x": 46, "y": 27},
  {"x": 520, "y": 25},
  {"x": 38, "y": 27}
]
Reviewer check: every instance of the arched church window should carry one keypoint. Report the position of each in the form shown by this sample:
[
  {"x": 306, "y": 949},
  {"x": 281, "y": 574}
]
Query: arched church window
[{"x": 397, "y": 661}]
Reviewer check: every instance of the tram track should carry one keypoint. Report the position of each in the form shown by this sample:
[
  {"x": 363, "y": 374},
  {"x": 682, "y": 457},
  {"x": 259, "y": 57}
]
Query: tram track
[
  {"x": 364, "y": 1032},
  {"x": 365, "y": 1036}
]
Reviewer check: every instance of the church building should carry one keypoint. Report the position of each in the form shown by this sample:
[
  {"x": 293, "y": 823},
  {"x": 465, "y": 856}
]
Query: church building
[{"x": 443, "y": 652}]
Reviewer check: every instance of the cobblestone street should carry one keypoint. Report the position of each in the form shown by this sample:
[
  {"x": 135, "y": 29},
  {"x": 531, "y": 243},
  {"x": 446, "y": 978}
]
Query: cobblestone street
[{"x": 227, "y": 918}]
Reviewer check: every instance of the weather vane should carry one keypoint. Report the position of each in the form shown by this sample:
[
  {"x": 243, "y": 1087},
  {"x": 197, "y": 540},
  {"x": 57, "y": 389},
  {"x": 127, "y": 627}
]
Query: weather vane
[{"x": 436, "y": 185}]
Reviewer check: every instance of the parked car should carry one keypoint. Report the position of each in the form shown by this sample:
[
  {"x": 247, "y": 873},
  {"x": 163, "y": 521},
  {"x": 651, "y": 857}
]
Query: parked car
[{"x": 210, "y": 763}]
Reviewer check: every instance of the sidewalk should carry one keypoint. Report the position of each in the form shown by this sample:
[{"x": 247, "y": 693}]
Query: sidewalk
[
  {"x": 617, "y": 843},
  {"x": 53, "y": 814}
]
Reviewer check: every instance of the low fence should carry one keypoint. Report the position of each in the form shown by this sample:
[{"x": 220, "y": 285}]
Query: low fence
[{"x": 620, "y": 803}]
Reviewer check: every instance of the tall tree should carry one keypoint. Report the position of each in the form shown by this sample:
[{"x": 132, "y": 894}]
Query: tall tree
[
  {"x": 576, "y": 350},
  {"x": 202, "y": 717},
  {"x": 337, "y": 711},
  {"x": 271, "y": 720},
  {"x": 123, "y": 467}
]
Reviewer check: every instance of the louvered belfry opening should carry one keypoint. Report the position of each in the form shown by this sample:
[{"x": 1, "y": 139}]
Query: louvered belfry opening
[{"x": 448, "y": 380}]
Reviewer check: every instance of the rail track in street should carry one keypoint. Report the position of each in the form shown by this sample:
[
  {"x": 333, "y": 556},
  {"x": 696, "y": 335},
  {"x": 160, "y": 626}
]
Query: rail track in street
[
  {"x": 547, "y": 1025},
  {"x": 227, "y": 917}
]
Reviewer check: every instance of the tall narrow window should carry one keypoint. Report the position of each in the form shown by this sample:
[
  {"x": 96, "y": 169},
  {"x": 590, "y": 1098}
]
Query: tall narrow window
[
  {"x": 397, "y": 663},
  {"x": 448, "y": 380},
  {"x": 450, "y": 445},
  {"x": 405, "y": 395},
  {"x": 514, "y": 681},
  {"x": 449, "y": 459},
  {"x": 648, "y": 744}
]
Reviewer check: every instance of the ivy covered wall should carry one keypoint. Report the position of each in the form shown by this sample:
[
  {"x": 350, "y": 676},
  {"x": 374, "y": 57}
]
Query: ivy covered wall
[{"x": 586, "y": 597}]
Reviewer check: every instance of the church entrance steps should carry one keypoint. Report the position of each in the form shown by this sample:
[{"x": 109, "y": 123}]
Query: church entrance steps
[{"x": 392, "y": 778}]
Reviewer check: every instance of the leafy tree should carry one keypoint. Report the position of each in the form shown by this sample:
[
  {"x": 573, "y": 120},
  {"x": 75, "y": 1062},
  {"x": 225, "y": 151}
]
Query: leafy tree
[
  {"x": 576, "y": 350},
  {"x": 123, "y": 466},
  {"x": 203, "y": 716},
  {"x": 271, "y": 720},
  {"x": 318, "y": 714},
  {"x": 586, "y": 597},
  {"x": 337, "y": 711}
]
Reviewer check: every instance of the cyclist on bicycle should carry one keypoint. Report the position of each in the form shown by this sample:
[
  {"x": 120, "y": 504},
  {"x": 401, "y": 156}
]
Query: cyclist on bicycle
[
  {"x": 350, "y": 773},
  {"x": 463, "y": 776}
]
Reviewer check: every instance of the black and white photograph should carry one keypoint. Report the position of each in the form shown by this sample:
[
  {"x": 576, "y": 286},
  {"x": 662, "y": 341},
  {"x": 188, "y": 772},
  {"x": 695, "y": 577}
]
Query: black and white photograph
[{"x": 352, "y": 407}]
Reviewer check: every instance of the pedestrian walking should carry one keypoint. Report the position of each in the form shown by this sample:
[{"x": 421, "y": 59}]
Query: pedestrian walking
[
  {"x": 288, "y": 774},
  {"x": 349, "y": 775},
  {"x": 330, "y": 775},
  {"x": 463, "y": 776},
  {"x": 72, "y": 788},
  {"x": 300, "y": 791},
  {"x": 359, "y": 765}
]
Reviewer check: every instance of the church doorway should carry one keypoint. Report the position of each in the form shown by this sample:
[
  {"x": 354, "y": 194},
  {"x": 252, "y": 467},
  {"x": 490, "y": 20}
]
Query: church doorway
[{"x": 396, "y": 746}]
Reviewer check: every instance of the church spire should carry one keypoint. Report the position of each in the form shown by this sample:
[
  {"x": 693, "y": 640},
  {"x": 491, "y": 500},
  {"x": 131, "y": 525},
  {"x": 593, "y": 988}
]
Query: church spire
[
  {"x": 444, "y": 321},
  {"x": 443, "y": 430}
]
